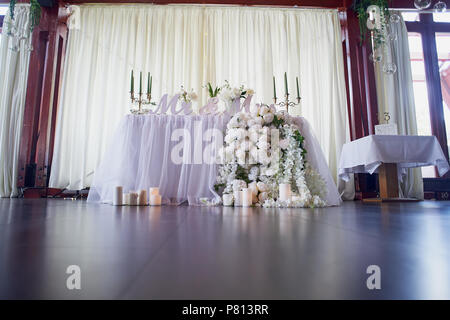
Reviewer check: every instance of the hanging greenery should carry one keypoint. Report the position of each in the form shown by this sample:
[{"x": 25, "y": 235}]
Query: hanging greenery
[
  {"x": 35, "y": 12},
  {"x": 360, "y": 7}
]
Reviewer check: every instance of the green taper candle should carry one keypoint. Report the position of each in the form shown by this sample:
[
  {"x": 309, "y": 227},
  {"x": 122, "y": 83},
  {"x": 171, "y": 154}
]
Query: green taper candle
[
  {"x": 132, "y": 82},
  {"x": 151, "y": 84},
  {"x": 298, "y": 89},
  {"x": 286, "y": 84},
  {"x": 148, "y": 83},
  {"x": 274, "y": 88},
  {"x": 140, "y": 82}
]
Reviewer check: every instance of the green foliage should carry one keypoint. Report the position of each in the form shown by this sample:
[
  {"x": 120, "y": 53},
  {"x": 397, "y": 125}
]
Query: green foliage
[
  {"x": 360, "y": 7},
  {"x": 35, "y": 12},
  {"x": 241, "y": 174},
  {"x": 12, "y": 5},
  {"x": 298, "y": 137},
  {"x": 212, "y": 92},
  {"x": 277, "y": 122}
]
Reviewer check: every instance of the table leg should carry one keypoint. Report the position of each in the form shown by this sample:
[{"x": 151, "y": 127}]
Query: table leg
[{"x": 388, "y": 180}]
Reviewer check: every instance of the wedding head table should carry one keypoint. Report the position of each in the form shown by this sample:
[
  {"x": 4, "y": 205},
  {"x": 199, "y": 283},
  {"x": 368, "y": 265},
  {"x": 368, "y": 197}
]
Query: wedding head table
[{"x": 139, "y": 156}]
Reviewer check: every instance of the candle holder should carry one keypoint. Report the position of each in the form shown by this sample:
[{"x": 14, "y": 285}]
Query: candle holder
[
  {"x": 286, "y": 103},
  {"x": 140, "y": 101}
]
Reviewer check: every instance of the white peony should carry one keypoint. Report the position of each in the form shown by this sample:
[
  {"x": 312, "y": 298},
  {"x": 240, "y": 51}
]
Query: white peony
[
  {"x": 262, "y": 187},
  {"x": 263, "y": 196},
  {"x": 284, "y": 144},
  {"x": 263, "y": 110},
  {"x": 268, "y": 117}
]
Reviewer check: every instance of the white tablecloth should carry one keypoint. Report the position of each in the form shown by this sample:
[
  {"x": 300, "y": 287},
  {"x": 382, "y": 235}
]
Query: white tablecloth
[
  {"x": 365, "y": 155},
  {"x": 139, "y": 157}
]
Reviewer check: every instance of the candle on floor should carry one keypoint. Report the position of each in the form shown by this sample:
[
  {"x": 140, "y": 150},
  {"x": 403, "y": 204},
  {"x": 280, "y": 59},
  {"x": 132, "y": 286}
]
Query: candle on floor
[
  {"x": 133, "y": 198},
  {"x": 247, "y": 197},
  {"x": 237, "y": 198},
  {"x": 154, "y": 190},
  {"x": 285, "y": 191},
  {"x": 227, "y": 199},
  {"x": 155, "y": 200},
  {"x": 126, "y": 199},
  {"x": 118, "y": 196},
  {"x": 143, "y": 198}
]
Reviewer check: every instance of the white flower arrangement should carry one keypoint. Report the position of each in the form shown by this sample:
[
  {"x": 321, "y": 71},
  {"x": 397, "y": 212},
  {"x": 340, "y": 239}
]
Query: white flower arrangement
[
  {"x": 264, "y": 148},
  {"x": 187, "y": 96},
  {"x": 227, "y": 93}
]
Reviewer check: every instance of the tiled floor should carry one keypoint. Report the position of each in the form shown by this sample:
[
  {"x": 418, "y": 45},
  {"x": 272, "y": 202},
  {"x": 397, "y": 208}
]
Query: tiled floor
[{"x": 223, "y": 253}]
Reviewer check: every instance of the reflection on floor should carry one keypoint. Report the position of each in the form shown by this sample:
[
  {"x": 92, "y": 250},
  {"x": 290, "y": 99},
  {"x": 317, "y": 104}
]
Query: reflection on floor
[{"x": 223, "y": 253}]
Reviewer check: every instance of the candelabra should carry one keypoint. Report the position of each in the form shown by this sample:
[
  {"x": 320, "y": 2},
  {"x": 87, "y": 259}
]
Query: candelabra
[
  {"x": 286, "y": 103},
  {"x": 140, "y": 101}
]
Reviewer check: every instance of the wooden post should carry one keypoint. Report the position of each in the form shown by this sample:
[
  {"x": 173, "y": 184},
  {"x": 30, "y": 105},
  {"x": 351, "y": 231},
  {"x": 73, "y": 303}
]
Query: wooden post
[{"x": 388, "y": 180}]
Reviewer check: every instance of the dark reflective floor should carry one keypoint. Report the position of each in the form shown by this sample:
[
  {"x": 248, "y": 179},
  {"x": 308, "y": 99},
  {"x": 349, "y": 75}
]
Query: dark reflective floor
[{"x": 223, "y": 253}]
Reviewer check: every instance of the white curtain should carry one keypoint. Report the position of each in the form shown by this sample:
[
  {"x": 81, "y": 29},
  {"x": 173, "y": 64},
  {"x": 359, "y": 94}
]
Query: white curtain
[
  {"x": 396, "y": 96},
  {"x": 190, "y": 46},
  {"x": 13, "y": 84}
]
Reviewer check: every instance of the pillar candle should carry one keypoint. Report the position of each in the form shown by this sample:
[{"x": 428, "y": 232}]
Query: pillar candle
[
  {"x": 237, "y": 198},
  {"x": 133, "y": 198},
  {"x": 155, "y": 200},
  {"x": 285, "y": 191},
  {"x": 154, "y": 191},
  {"x": 118, "y": 196},
  {"x": 143, "y": 198},
  {"x": 126, "y": 199},
  {"x": 227, "y": 199},
  {"x": 247, "y": 196}
]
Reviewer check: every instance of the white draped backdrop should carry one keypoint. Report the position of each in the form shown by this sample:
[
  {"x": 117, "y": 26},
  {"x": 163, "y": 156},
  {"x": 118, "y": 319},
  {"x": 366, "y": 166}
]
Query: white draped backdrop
[
  {"x": 190, "y": 46},
  {"x": 396, "y": 96},
  {"x": 13, "y": 85}
]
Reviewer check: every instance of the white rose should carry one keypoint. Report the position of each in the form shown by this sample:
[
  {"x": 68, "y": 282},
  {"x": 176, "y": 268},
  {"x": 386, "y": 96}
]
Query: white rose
[
  {"x": 254, "y": 153},
  {"x": 263, "y": 110},
  {"x": 253, "y": 186},
  {"x": 253, "y": 135},
  {"x": 284, "y": 144},
  {"x": 263, "y": 144},
  {"x": 258, "y": 121},
  {"x": 268, "y": 117},
  {"x": 263, "y": 196},
  {"x": 262, "y": 187}
]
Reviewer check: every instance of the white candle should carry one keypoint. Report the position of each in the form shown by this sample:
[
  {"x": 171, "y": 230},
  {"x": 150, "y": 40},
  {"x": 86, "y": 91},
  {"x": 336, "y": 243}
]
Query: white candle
[
  {"x": 237, "y": 198},
  {"x": 247, "y": 195},
  {"x": 285, "y": 191},
  {"x": 143, "y": 198},
  {"x": 118, "y": 196},
  {"x": 154, "y": 191},
  {"x": 227, "y": 199},
  {"x": 133, "y": 198},
  {"x": 155, "y": 200},
  {"x": 126, "y": 199}
]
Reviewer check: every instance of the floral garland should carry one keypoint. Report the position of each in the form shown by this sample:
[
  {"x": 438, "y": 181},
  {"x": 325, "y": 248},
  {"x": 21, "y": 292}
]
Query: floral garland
[{"x": 263, "y": 149}]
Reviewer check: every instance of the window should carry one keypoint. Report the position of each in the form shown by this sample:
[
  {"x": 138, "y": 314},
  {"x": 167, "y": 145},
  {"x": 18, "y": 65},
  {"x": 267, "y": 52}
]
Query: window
[{"x": 429, "y": 44}]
